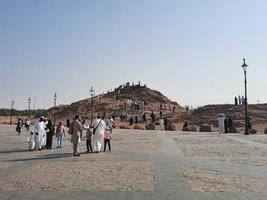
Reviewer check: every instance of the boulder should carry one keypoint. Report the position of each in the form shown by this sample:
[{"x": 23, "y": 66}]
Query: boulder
[
  {"x": 139, "y": 127},
  {"x": 205, "y": 128},
  {"x": 190, "y": 128},
  {"x": 124, "y": 127},
  {"x": 151, "y": 127},
  {"x": 233, "y": 130},
  {"x": 252, "y": 131},
  {"x": 170, "y": 127},
  {"x": 265, "y": 131},
  {"x": 193, "y": 128}
]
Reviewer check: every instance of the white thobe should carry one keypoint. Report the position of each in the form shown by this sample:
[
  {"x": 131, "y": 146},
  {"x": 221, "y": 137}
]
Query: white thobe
[
  {"x": 31, "y": 142},
  {"x": 39, "y": 130},
  {"x": 98, "y": 137},
  {"x": 221, "y": 125},
  {"x": 161, "y": 123}
]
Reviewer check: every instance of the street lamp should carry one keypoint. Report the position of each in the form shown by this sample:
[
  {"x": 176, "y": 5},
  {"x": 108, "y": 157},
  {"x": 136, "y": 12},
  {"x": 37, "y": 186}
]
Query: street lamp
[
  {"x": 54, "y": 110},
  {"x": 29, "y": 108},
  {"x": 91, "y": 92},
  {"x": 245, "y": 66},
  {"x": 11, "y": 111}
]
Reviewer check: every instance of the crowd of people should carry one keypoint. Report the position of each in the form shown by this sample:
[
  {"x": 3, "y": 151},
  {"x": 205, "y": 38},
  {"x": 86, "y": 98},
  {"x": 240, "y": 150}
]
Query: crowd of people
[
  {"x": 98, "y": 134},
  {"x": 240, "y": 101},
  {"x": 41, "y": 137}
]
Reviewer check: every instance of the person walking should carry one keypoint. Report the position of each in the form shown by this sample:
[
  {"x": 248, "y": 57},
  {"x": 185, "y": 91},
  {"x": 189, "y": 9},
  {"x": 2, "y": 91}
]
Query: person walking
[
  {"x": 60, "y": 133},
  {"x": 19, "y": 126},
  {"x": 49, "y": 134},
  {"x": 76, "y": 136}
]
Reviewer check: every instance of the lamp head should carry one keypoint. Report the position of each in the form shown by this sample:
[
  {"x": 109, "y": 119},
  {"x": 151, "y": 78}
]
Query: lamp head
[{"x": 244, "y": 66}]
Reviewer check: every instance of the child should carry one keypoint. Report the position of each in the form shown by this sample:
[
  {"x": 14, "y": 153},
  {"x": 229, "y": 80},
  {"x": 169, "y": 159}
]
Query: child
[
  {"x": 60, "y": 133},
  {"x": 107, "y": 138},
  {"x": 31, "y": 142},
  {"x": 88, "y": 140}
]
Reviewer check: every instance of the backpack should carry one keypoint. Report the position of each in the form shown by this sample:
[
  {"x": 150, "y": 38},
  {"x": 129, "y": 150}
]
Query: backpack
[{"x": 71, "y": 129}]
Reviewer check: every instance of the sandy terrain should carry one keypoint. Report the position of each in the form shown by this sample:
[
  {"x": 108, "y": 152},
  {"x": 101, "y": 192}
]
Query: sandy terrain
[{"x": 213, "y": 181}]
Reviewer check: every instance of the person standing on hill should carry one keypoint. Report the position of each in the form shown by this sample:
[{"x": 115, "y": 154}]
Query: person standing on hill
[
  {"x": 236, "y": 101},
  {"x": 230, "y": 123},
  {"x": 161, "y": 123},
  {"x": 161, "y": 114},
  {"x": 239, "y": 100},
  {"x": 144, "y": 117},
  {"x": 136, "y": 119},
  {"x": 131, "y": 121},
  {"x": 153, "y": 117}
]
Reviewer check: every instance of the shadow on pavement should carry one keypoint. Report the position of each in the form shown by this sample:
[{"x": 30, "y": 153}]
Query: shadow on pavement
[
  {"x": 43, "y": 157},
  {"x": 15, "y": 151}
]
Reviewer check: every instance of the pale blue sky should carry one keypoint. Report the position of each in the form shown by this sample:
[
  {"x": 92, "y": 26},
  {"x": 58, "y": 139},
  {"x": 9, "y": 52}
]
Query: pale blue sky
[{"x": 189, "y": 50}]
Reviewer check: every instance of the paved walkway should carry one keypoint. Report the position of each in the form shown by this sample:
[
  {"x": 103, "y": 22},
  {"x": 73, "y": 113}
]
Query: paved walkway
[{"x": 159, "y": 160}]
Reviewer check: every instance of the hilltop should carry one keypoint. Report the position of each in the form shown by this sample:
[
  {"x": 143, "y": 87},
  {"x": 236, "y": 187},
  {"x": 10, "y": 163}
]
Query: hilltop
[{"x": 128, "y": 99}]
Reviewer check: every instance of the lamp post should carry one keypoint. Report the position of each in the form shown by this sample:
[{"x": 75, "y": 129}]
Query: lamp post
[
  {"x": 91, "y": 92},
  {"x": 245, "y": 66},
  {"x": 54, "y": 110},
  {"x": 29, "y": 108},
  {"x": 11, "y": 111}
]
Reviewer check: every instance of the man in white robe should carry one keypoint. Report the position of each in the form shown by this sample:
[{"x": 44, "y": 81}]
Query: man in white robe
[
  {"x": 39, "y": 130},
  {"x": 161, "y": 123},
  {"x": 98, "y": 138},
  {"x": 221, "y": 123}
]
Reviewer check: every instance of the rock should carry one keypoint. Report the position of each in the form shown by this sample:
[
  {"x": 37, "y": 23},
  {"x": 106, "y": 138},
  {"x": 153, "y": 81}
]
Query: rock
[
  {"x": 233, "y": 130},
  {"x": 139, "y": 127},
  {"x": 124, "y": 127},
  {"x": 170, "y": 127},
  {"x": 265, "y": 131},
  {"x": 190, "y": 128},
  {"x": 151, "y": 127},
  {"x": 252, "y": 131},
  {"x": 205, "y": 128}
]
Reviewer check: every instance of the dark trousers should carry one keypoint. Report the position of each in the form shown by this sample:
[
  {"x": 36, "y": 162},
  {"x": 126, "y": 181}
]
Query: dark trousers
[
  {"x": 107, "y": 141},
  {"x": 89, "y": 146}
]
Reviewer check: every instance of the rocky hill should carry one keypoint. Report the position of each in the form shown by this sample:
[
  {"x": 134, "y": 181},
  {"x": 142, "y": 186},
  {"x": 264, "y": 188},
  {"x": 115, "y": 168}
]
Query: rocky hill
[
  {"x": 128, "y": 99},
  {"x": 208, "y": 114}
]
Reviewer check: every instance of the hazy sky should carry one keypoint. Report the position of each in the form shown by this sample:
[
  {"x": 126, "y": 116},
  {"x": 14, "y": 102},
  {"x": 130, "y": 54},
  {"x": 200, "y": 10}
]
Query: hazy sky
[{"x": 190, "y": 50}]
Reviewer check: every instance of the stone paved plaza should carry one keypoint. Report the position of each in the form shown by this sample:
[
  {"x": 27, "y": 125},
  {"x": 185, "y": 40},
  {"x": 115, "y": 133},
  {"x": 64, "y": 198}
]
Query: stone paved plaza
[{"x": 142, "y": 165}]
